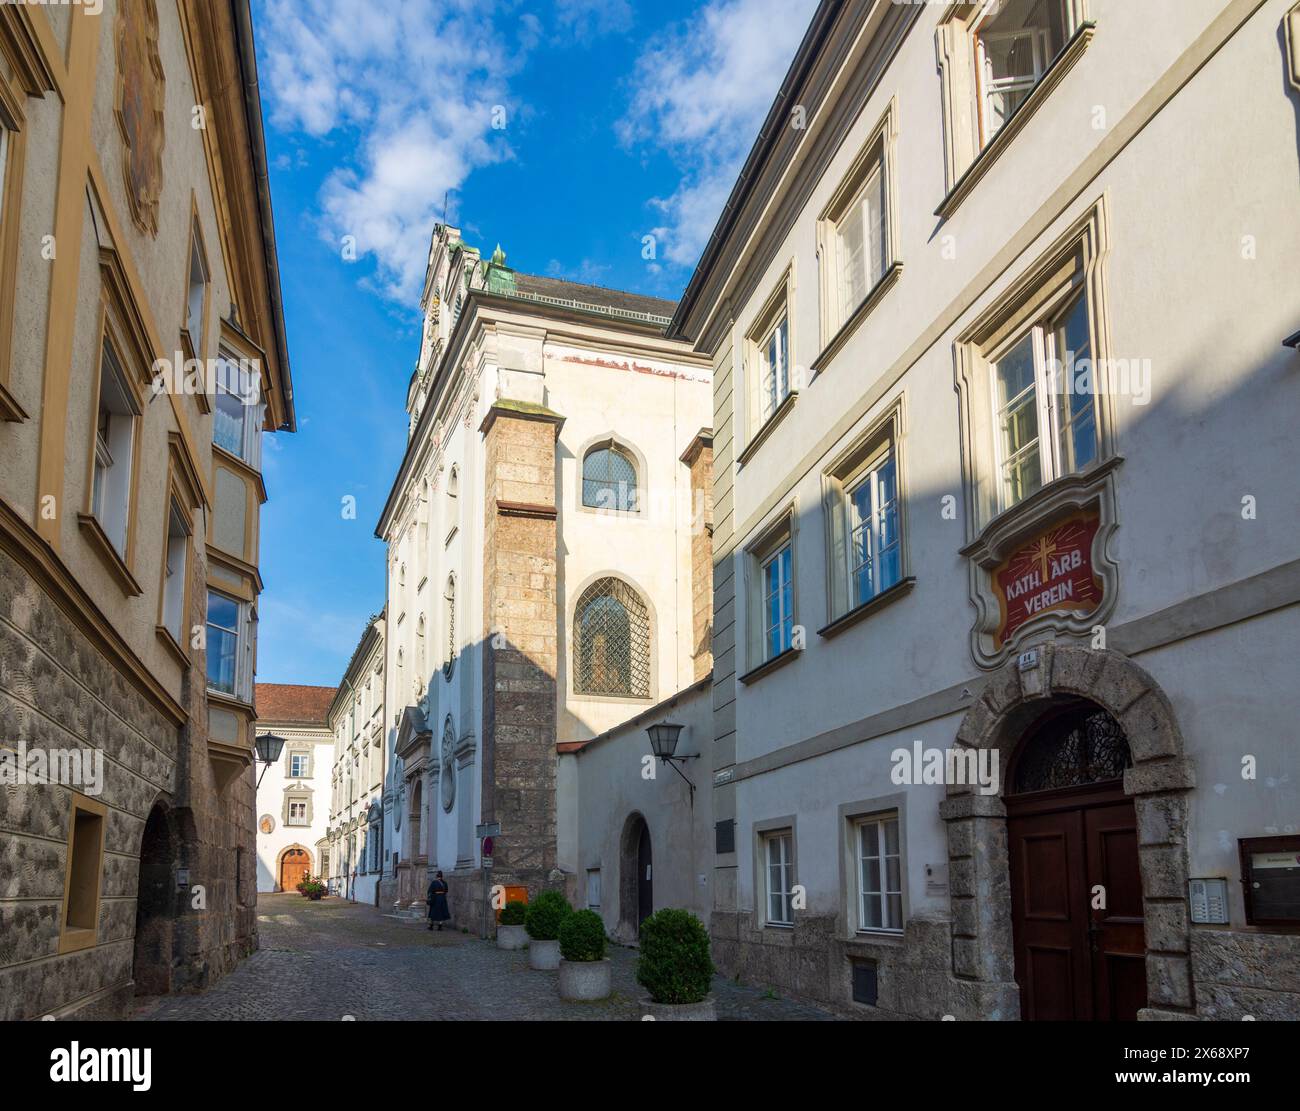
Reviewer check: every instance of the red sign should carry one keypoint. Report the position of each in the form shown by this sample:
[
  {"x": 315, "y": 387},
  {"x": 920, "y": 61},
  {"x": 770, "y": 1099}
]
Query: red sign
[{"x": 1052, "y": 572}]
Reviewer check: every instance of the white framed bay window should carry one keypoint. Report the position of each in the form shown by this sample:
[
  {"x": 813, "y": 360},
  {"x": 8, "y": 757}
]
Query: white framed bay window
[
  {"x": 238, "y": 409},
  {"x": 230, "y": 637}
]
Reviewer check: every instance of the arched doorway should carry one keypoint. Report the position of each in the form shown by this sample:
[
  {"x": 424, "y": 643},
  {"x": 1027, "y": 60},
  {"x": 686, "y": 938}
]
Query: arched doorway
[
  {"x": 1076, "y": 884},
  {"x": 1017, "y": 699},
  {"x": 155, "y": 906},
  {"x": 636, "y": 877},
  {"x": 295, "y": 866}
]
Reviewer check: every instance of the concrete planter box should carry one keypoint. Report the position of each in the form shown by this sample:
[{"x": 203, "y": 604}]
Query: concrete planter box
[
  {"x": 679, "y": 1012},
  {"x": 584, "y": 981},
  {"x": 511, "y": 937},
  {"x": 544, "y": 955}
]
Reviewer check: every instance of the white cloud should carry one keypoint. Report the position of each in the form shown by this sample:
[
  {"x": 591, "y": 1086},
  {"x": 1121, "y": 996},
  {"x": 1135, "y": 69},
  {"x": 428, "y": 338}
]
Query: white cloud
[
  {"x": 700, "y": 92},
  {"x": 584, "y": 20},
  {"x": 404, "y": 92}
]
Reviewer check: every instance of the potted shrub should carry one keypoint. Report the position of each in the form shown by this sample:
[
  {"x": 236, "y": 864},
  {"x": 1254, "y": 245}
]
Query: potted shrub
[
  {"x": 584, "y": 968},
  {"x": 546, "y": 914},
  {"x": 510, "y": 925},
  {"x": 313, "y": 890},
  {"x": 675, "y": 967}
]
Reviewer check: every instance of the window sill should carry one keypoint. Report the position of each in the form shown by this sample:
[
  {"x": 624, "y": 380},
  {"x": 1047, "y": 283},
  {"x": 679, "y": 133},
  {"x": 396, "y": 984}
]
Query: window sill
[
  {"x": 769, "y": 425},
  {"x": 768, "y": 666},
  {"x": 892, "y": 939},
  {"x": 983, "y": 161},
  {"x": 109, "y": 555},
  {"x": 173, "y": 646},
  {"x": 846, "y": 330},
  {"x": 74, "y": 940},
  {"x": 631, "y": 699},
  {"x": 788, "y": 926},
  {"x": 870, "y": 606},
  {"x": 231, "y": 701}
]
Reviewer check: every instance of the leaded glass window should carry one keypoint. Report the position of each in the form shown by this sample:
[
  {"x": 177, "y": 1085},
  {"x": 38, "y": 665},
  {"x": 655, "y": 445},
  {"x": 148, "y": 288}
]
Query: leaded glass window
[
  {"x": 609, "y": 480},
  {"x": 611, "y": 641},
  {"x": 1081, "y": 746}
]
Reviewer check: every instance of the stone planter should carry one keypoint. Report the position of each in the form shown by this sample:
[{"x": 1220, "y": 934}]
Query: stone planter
[
  {"x": 544, "y": 955},
  {"x": 584, "y": 981},
  {"x": 679, "y": 1012},
  {"x": 511, "y": 937}
]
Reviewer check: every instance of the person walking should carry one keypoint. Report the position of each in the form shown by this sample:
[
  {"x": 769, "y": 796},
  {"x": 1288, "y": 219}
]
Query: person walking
[{"x": 437, "y": 900}]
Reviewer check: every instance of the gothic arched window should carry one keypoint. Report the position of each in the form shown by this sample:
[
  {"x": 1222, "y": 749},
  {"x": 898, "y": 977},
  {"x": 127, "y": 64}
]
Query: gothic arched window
[
  {"x": 609, "y": 479},
  {"x": 1082, "y": 745},
  {"x": 611, "y": 641}
]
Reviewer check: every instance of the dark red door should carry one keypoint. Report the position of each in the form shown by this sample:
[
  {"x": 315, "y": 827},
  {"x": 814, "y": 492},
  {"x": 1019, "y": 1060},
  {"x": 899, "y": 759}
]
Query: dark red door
[{"x": 1076, "y": 897}]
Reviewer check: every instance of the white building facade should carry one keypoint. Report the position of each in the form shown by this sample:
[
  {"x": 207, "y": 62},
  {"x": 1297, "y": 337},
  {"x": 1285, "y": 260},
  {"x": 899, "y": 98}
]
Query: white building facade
[
  {"x": 356, "y": 717},
  {"x": 542, "y": 570},
  {"x": 1007, "y": 532},
  {"x": 293, "y": 793}
]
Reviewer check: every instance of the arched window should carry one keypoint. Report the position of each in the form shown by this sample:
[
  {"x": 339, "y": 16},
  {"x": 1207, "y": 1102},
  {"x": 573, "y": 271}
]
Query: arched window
[
  {"x": 421, "y": 656},
  {"x": 609, "y": 480},
  {"x": 453, "y": 482},
  {"x": 1080, "y": 745},
  {"x": 611, "y": 641},
  {"x": 449, "y": 625}
]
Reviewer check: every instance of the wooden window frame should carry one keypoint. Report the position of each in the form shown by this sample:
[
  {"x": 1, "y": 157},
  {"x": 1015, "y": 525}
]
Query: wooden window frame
[
  {"x": 73, "y": 939},
  {"x": 13, "y": 121},
  {"x": 758, "y": 425},
  {"x": 856, "y": 825}
]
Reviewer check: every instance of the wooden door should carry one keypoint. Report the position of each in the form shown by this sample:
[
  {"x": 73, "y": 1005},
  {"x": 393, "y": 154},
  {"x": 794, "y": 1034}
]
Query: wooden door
[
  {"x": 294, "y": 865},
  {"x": 1075, "y": 960},
  {"x": 644, "y": 877}
]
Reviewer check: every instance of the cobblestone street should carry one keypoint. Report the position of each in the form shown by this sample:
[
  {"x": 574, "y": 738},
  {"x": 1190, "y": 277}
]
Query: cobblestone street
[{"x": 329, "y": 959}]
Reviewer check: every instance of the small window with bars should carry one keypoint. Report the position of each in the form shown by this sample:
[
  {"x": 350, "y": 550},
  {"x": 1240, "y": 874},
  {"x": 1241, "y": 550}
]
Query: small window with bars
[{"x": 609, "y": 480}]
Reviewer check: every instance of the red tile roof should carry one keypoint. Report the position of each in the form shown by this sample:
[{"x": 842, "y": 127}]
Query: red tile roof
[{"x": 289, "y": 702}]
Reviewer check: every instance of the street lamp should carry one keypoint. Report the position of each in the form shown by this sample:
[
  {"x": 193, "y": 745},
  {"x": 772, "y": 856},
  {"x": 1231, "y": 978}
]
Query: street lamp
[
  {"x": 663, "y": 745},
  {"x": 269, "y": 747}
]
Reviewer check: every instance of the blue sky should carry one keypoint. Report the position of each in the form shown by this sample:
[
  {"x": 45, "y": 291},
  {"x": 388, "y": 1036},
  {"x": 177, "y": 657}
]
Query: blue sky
[{"x": 621, "y": 120}]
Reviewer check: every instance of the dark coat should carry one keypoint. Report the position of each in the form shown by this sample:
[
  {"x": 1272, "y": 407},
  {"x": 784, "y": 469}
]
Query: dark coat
[{"x": 437, "y": 900}]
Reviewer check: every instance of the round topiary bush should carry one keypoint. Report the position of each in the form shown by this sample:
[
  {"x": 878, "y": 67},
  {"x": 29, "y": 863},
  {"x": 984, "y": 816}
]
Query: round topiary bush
[
  {"x": 514, "y": 913},
  {"x": 582, "y": 937},
  {"x": 545, "y": 915},
  {"x": 675, "y": 965}
]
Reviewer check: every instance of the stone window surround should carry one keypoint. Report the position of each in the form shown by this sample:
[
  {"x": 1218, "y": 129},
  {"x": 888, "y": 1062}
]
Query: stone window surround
[
  {"x": 754, "y": 428},
  {"x": 848, "y": 815},
  {"x": 298, "y": 793},
  {"x": 1160, "y": 781},
  {"x": 299, "y": 748},
  {"x": 73, "y": 939},
  {"x": 784, "y": 528},
  {"x": 966, "y": 161},
  {"x": 760, "y": 831},
  {"x": 624, "y": 445},
  {"x": 880, "y": 146},
  {"x": 652, "y": 626},
  {"x": 991, "y": 534}
]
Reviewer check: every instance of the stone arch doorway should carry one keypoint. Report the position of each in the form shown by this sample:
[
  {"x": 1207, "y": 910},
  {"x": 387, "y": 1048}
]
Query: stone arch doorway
[
  {"x": 635, "y": 877},
  {"x": 294, "y": 866},
  {"x": 155, "y": 905},
  {"x": 1017, "y": 698},
  {"x": 1076, "y": 887}
]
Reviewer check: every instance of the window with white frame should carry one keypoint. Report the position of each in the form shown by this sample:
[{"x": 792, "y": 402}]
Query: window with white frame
[
  {"x": 1044, "y": 418},
  {"x": 777, "y": 585},
  {"x": 778, "y": 860},
  {"x": 298, "y": 812},
  {"x": 879, "y": 873},
  {"x": 774, "y": 368},
  {"x": 864, "y": 520},
  {"x": 299, "y": 765},
  {"x": 859, "y": 243},
  {"x": 237, "y": 411},
  {"x": 115, "y": 431},
  {"x": 230, "y": 639},
  {"x": 1014, "y": 41},
  {"x": 175, "y": 572}
]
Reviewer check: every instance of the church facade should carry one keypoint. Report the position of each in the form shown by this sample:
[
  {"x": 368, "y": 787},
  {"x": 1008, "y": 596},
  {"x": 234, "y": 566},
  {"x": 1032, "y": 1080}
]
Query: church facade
[{"x": 542, "y": 581}]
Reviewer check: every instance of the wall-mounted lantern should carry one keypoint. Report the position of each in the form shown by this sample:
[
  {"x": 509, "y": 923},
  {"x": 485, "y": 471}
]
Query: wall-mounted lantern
[
  {"x": 269, "y": 747},
  {"x": 663, "y": 745}
]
